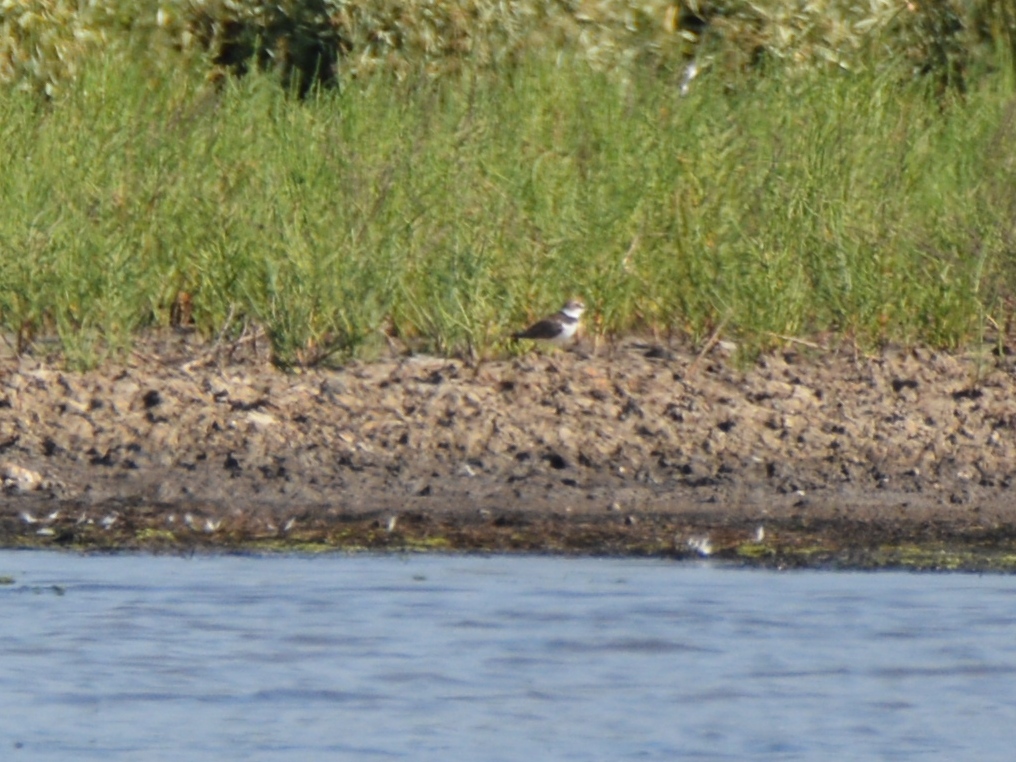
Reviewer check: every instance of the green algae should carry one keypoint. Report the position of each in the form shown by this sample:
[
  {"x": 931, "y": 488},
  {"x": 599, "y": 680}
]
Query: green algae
[
  {"x": 428, "y": 543},
  {"x": 149, "y": 535},
  {"x": 842, "y": 545},
  {"x": 755, "y": 550}
]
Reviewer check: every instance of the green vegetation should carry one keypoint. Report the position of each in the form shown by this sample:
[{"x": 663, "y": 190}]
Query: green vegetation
[{"x": 445, "y": 204}]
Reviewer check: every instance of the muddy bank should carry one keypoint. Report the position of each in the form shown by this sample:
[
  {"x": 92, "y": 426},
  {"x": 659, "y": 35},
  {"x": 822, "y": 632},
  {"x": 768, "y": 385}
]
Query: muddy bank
[{"x": 806, "y": 457}]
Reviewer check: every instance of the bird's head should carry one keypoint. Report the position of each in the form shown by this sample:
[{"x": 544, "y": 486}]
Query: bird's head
[{"x": 574, "y": 308}]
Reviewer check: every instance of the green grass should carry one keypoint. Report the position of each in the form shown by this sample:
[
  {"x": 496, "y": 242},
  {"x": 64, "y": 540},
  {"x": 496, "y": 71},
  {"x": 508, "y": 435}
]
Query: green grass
[{"x": 450, "y": 212}]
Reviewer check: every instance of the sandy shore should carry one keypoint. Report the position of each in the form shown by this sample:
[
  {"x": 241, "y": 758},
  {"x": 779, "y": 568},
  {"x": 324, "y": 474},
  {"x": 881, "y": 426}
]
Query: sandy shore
[{"x": 807, "y": 457}]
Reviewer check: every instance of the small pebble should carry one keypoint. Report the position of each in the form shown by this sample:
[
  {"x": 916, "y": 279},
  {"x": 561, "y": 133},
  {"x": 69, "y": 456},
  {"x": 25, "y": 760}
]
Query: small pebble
[{"x": 701, "y": 544}]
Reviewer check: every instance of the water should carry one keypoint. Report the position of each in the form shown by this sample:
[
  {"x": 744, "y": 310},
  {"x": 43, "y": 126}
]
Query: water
[{"x": 505, "y": 658}]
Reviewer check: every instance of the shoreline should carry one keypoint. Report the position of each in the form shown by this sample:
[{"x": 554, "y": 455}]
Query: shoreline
[{"x": 807, "y": 457}]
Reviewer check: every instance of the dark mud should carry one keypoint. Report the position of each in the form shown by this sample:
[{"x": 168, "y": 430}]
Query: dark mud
[{"x": 806, "y": 457}]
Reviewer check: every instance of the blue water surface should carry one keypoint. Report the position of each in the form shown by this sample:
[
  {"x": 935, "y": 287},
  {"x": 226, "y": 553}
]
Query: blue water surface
[{"x": 136, "y": 657}]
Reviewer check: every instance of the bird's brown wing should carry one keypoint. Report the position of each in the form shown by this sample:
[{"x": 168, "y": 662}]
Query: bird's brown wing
[{"x": 545, "y": 329}]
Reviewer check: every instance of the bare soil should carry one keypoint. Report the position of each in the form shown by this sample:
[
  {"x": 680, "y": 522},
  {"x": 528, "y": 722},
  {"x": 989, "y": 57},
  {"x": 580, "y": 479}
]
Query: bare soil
[{"x": 806, "y": 457}]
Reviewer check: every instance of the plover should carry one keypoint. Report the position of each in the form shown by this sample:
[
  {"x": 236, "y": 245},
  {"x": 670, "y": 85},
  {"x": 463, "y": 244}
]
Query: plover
[{"x": 559, "y": 328}]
